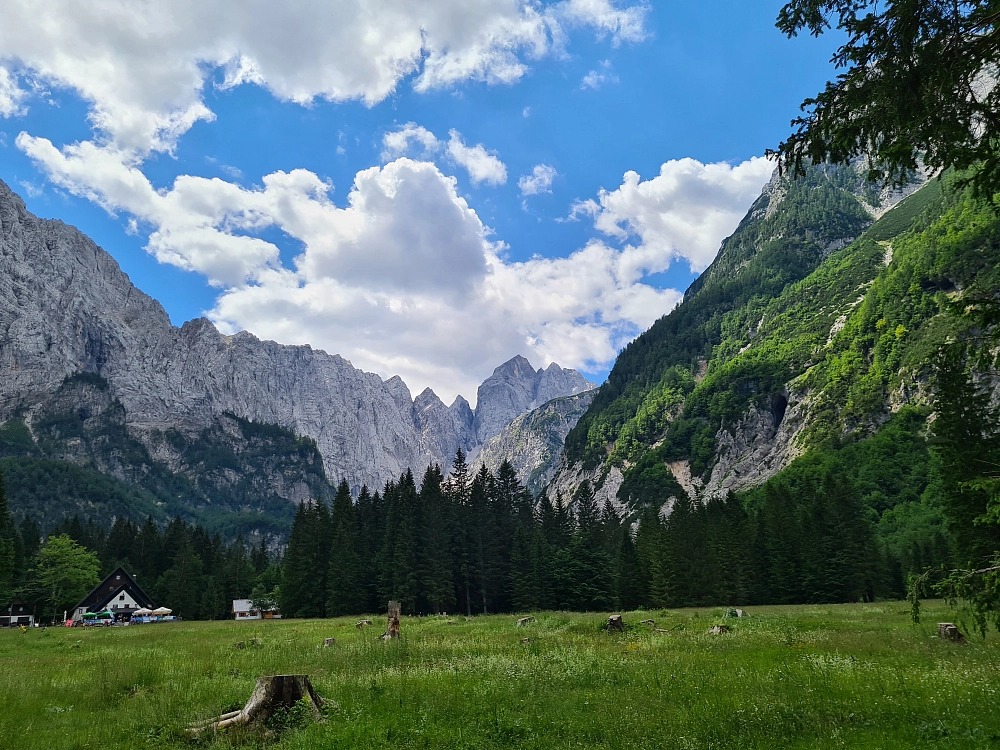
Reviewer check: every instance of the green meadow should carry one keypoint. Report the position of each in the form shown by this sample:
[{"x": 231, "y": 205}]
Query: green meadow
[{"x": 860, "y": 676}]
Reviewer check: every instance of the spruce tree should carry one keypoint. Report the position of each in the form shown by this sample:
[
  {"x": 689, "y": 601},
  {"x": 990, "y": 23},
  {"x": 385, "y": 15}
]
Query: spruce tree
[
  {"x": 438, "y": 584},
  {"x": 346, "y": 594},
  {"x": 593, "y": 577},
  {"x": 7, "y": 561}
]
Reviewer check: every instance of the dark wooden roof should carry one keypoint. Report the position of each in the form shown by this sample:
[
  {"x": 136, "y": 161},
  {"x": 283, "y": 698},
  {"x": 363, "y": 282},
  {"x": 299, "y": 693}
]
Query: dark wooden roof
[
  {"x": 109, "y": 588},
  {"x": 16, "y": 607}
]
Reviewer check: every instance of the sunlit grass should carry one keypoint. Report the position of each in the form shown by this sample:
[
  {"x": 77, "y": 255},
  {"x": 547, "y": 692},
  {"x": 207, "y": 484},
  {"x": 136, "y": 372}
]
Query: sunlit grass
[{"x": 808, "y": 676}]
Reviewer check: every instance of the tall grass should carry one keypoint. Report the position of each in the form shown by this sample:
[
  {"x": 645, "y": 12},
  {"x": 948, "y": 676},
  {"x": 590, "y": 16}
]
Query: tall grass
[{"x": 858, "y": 676}]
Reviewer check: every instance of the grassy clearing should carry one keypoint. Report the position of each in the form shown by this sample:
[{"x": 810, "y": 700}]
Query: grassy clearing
[{"x": 803, "y": 676}]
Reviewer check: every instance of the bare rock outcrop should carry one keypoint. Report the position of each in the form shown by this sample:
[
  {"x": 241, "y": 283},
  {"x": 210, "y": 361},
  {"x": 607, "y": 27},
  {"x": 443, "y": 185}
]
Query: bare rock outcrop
[{"x": 67, "y": 308}]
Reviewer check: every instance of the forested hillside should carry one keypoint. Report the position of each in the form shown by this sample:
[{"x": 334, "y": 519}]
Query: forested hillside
[
  {"x": 804, "y": 377},
  {"x": 78, "y": 457}
]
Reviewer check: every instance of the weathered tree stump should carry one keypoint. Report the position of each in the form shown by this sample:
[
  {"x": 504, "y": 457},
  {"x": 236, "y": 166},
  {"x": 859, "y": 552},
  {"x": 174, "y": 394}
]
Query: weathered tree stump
[
  {"x": 362, "y": 623},
  {"x": 240, "y": 644},
  {"x": 525, "y": 640},
  {"x": 948, "y": 632},
  {"x": 271, "y": 693},
  {"x": 392, "y": 627},
  {"x": 329, "y": 642},
  {"x": 524, "y": 621},
  {"x": 616, "y": 624},
  {"x": 733, "y": 612},
  {"x": 651, "y": 623},
  {"x": 719, "y": 629}
]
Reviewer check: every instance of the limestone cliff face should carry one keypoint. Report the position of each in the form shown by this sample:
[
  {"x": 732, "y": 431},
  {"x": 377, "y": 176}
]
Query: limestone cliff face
[
  {"x": 67, "y": 308},
  {"x": 533, "y": 441},
  {"x": 515, "y": 388}
]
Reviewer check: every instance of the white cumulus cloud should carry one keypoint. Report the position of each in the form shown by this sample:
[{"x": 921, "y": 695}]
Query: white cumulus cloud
[
  {"x": 482, "y": 165},
  {"x": 683, "y": 212},
  {"x": 539, "y": 181},
  {"x": 12, "y": 96},
  {"x": 595, "y": 79},
  {"x": 401, "y": 277},
  {"x": 143, "y": 66}
]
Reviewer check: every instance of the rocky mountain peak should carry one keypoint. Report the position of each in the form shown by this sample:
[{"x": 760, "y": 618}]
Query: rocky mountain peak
[
  {"x": 67, "y": 308},
  {"x": 515, "y": 387}
]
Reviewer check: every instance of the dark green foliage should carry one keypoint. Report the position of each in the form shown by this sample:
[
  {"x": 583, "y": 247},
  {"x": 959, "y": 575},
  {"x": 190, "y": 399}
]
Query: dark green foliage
[
  {"x": 50, "y": 490},
  {"x": 346, "y": 591},
  {"x": 967, "y": 445},
  {"x": 8, "y": 557},
  {"x": 909, "y": 91},
  {"x": 765, "y": 255},
  {"x": 222, "y": 477},
  {"x": 304, "y": 589}
]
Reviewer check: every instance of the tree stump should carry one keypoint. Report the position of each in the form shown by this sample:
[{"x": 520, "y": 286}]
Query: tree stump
[
  {"x": 719, "y": 629},
  {"x": 948, "y": 632},
  {"x": 524, "y": 621},
  {"x": 240, "y": 644},
  {"x": 615, "y": 624},
  {"x": 733, "y": 612},
  {"x": 651, "y": 623},
  {"x": 329, "y": 642},
  {"x": 271, "y": 693},
  {"x": 392, "y": 627},
  {"x": 362, "y": 623}
]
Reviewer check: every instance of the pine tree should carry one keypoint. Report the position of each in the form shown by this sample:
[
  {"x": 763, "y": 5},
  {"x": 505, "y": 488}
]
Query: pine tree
[
  {"x": 593, "y": 577},
  {"x": 457, "y": 493},
  {"x": 7, "y": 549},
  {"x": 303, "y": 588},
  {"x": 966, "y": 444},
  {"x": 524, "y": 579},
  {"x": 346, "y": 595},
  {"x": 370, "y": 514},
  {"x": 438, "y": 584}
]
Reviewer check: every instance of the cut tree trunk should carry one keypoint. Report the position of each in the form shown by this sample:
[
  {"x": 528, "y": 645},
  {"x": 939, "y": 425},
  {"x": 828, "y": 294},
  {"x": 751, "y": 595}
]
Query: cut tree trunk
[
  {"x": 948, "y": 632},
  {"x": 271, "y": 693},
  {"x": 392, "y": 627},
  {"x": 615, "y": 624}
]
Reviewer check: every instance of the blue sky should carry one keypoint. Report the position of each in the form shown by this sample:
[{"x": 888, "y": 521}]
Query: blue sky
[{"x": 403, "y": 229}]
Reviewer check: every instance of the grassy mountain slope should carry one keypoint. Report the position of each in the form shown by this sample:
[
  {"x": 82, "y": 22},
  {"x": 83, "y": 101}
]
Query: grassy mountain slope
[
  {"x": 792, "y": 361},
  {"x": 786, "y": 234}
]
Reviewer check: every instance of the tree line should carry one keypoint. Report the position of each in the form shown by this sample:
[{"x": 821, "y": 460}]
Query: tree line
[
  {"x": 181, "y": 565},
  {"x": 479, "y": 543}
]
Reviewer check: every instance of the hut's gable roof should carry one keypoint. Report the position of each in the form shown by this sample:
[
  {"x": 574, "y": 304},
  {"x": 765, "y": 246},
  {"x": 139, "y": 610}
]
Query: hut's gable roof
[{"x": 111, "y": 587}]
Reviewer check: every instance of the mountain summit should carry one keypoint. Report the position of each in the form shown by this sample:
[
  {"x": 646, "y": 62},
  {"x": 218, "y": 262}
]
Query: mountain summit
[{"x": 79, "y": 342}]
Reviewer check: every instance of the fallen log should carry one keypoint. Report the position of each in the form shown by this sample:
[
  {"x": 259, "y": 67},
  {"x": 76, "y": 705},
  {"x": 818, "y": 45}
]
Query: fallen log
[
  {"x": 719, "y": 629},
  {"x": 651, "y": 623},
  {"x": 280, "y": 691},
  {"x": 362, "y": 623},
  {"x": 524, "y": 621},
  {"x": 392, "y": 626}
]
